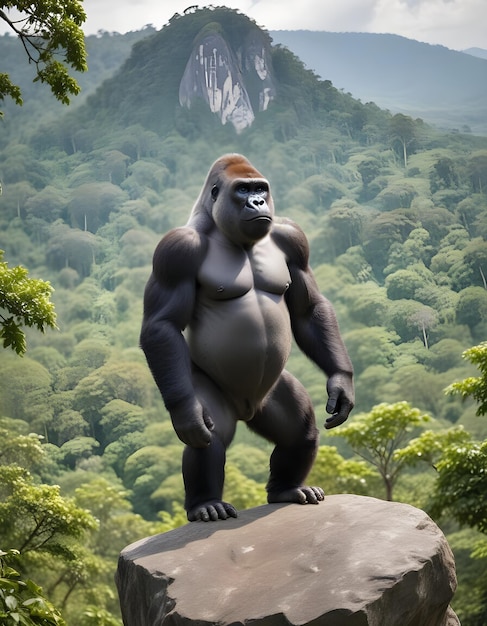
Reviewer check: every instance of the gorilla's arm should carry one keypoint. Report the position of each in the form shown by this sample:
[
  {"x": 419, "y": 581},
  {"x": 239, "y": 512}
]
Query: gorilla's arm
[
  {"x": 314, "y": 323},
  {"x": 168, "y": 305}
]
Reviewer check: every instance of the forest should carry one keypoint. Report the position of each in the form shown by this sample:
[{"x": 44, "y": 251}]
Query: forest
[{"x": 396, "y": 215}]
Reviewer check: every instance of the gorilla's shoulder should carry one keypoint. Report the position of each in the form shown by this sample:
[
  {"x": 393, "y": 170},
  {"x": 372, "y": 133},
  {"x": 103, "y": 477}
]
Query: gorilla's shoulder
[
  {"x": 180, "y": 251},
  {"x": 291, "y": 239}
]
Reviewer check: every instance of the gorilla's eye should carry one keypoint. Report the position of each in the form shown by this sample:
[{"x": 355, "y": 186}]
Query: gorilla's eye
[
  {"x": 242, "y": 190},
  {"x": 261, "y": 190}
]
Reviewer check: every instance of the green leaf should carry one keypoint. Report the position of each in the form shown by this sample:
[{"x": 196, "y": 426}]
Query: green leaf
[
  {"x": 11, "y": 602},
  {"x": 27, "y": 301}
]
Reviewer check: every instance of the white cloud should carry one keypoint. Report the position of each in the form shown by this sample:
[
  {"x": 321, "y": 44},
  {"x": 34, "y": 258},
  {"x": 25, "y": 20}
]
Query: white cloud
[{"x": 457, "y": 24}]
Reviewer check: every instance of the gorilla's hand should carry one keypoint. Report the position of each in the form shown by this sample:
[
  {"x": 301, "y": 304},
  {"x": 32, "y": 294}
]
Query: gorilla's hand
[
  {"x": 192, "y": 423},
  {"x": 340, "y": 399}
]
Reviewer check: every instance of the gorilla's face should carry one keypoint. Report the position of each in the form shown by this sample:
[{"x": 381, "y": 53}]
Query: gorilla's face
[{"x": 243, "y": 209}]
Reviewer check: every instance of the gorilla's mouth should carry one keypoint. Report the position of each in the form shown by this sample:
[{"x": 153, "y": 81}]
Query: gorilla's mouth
[{"x": 260, "y": 218}]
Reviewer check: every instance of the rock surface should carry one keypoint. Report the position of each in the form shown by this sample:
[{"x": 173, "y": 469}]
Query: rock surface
[
  {"x": 349, "y": 561},
  {"x": 234, "y": 83}
]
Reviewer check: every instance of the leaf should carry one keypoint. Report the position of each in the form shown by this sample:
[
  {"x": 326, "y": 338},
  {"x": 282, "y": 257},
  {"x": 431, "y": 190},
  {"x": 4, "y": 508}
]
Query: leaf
[{"x": 11, "y": 602}]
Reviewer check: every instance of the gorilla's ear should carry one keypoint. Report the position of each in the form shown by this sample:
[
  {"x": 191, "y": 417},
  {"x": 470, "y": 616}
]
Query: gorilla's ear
[{"x": 214, "y": 192}]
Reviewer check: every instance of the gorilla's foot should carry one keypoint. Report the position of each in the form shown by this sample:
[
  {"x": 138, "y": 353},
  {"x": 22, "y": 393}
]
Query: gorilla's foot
[
  {"x": 211, "y": 511},
  {"x": 301, "y": 495}
]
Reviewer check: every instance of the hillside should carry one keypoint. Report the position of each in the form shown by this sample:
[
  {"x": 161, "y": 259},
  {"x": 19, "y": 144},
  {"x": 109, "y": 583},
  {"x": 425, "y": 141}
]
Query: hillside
[
  {"x": 443, "y": 87},
  {"x": 476, "y": 52},
  {"x": 106, "y": 52}
]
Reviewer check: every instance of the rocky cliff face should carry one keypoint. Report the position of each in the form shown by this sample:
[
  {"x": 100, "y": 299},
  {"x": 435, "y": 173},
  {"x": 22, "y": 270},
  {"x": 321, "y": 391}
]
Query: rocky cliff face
[
  {"x": 349, "y": 561},
  {"x": 234, "y": 83}
]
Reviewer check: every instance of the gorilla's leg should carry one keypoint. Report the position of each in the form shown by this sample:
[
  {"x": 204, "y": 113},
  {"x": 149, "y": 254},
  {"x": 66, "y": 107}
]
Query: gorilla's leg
[
  {"x": 287, "y": 419},
  {"x": 204, "y": 468}
]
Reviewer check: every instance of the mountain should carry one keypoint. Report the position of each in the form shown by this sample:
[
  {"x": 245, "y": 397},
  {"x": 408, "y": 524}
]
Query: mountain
[
  {"x": 477, "y": 52},
  {"x": 445, "y": 88},
  {"x": 210, "y": 68},
  {"x": 441, "y": 86},
  {"x": 214, "y": 56}
]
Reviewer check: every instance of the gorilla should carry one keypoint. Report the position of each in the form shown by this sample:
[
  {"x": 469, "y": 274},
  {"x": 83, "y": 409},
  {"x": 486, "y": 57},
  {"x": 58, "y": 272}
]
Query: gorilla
[{"x": 227, "y": 293}]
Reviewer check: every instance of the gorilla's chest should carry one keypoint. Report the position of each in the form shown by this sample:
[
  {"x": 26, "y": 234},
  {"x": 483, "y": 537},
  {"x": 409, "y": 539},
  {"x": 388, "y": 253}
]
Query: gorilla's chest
[{"x": 230, "y": 272}]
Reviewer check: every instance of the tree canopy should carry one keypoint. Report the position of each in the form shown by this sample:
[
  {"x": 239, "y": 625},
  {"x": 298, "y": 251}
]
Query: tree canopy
[
  {"x": 23, "y": 302},
  {"x": 52, "y": 39},
  {"x": 378, "y": 436},
  {"x": 474, "y": 386}
]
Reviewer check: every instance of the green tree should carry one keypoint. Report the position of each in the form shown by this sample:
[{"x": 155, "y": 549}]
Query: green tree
[
  {"x": 474, "y": 387},
  {"x": 23, "y": 302},
  {"x": 416, "y": 248},
  {"x": 398, "y": 194},
  {"x": 374, "y": 345},
  {"x": 458, "y": 493},
  {"x": 77, "y": 449},
  {"x": 402, "y": 130},
  {"x": 121, "y": 418},
  {"x": 25, "y": 391},
  {"x": 469, "y": 210},
  {"x": 402, "y": 318},
  {"x": 381, "y": 232},
  {"x": 338, "y": 475},
  {"x": 251, "y": 461},
  {"x": 109, "y": 503},
  {"x": 368, "y": 168},
  {"x": 48, "y": 204},
  {"x": 403, "y": 283},
  {"x": 242, "y": 491},
  {"x": 445, "y": 355},
  {"x": 443, "y": 175},
  {"x": 122, "y": 380},
  {"x": 17, "y": 447},
  {"x": 21, "y": 601},
  {"x": 367, "y": 302},
  {"x": 430, "y": 445},
  {"x": 36, "y": 518},
  {"x": 460, "y": 488},
  {"x": 472, "y": 307},
  {"x": 374, "y": 386},
  {"x": 477, "y": 170},
  {"x": 345, "y": 220},
  {"x": 377, "y": 437},
  {"x": 421, "y": 387},
  {"x": 476, "y": 258},
  {"x": 92, "y": 203},
  {"x": 424, "y": 319},
  {"x": 52, "y": 38},
  {"x": 95, "y": 616}
]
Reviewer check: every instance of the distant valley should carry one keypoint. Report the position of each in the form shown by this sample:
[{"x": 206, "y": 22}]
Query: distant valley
[{"x": 445, "y": 88}]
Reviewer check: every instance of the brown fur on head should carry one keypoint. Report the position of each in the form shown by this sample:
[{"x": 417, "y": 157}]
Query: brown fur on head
[{"x": 226, "y": 168}]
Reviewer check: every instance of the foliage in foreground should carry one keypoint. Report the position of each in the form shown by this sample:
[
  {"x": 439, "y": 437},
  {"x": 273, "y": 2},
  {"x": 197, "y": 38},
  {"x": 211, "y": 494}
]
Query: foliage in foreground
[
  {"x": 460, "y": 491},
  {"x": 474, "y": 387},
  {"x": 52, "y": 39},
  {"x": 21, "y": 601},
  {"x": 23, "y": 302}
]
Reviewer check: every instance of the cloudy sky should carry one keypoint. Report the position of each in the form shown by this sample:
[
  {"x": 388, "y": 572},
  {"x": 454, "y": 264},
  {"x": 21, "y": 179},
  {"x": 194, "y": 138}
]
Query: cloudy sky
[{"x": 457, "y": 24}]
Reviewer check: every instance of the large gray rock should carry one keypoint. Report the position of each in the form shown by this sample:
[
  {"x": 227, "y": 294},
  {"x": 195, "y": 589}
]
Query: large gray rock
[{"x": 349, "y": 560}]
